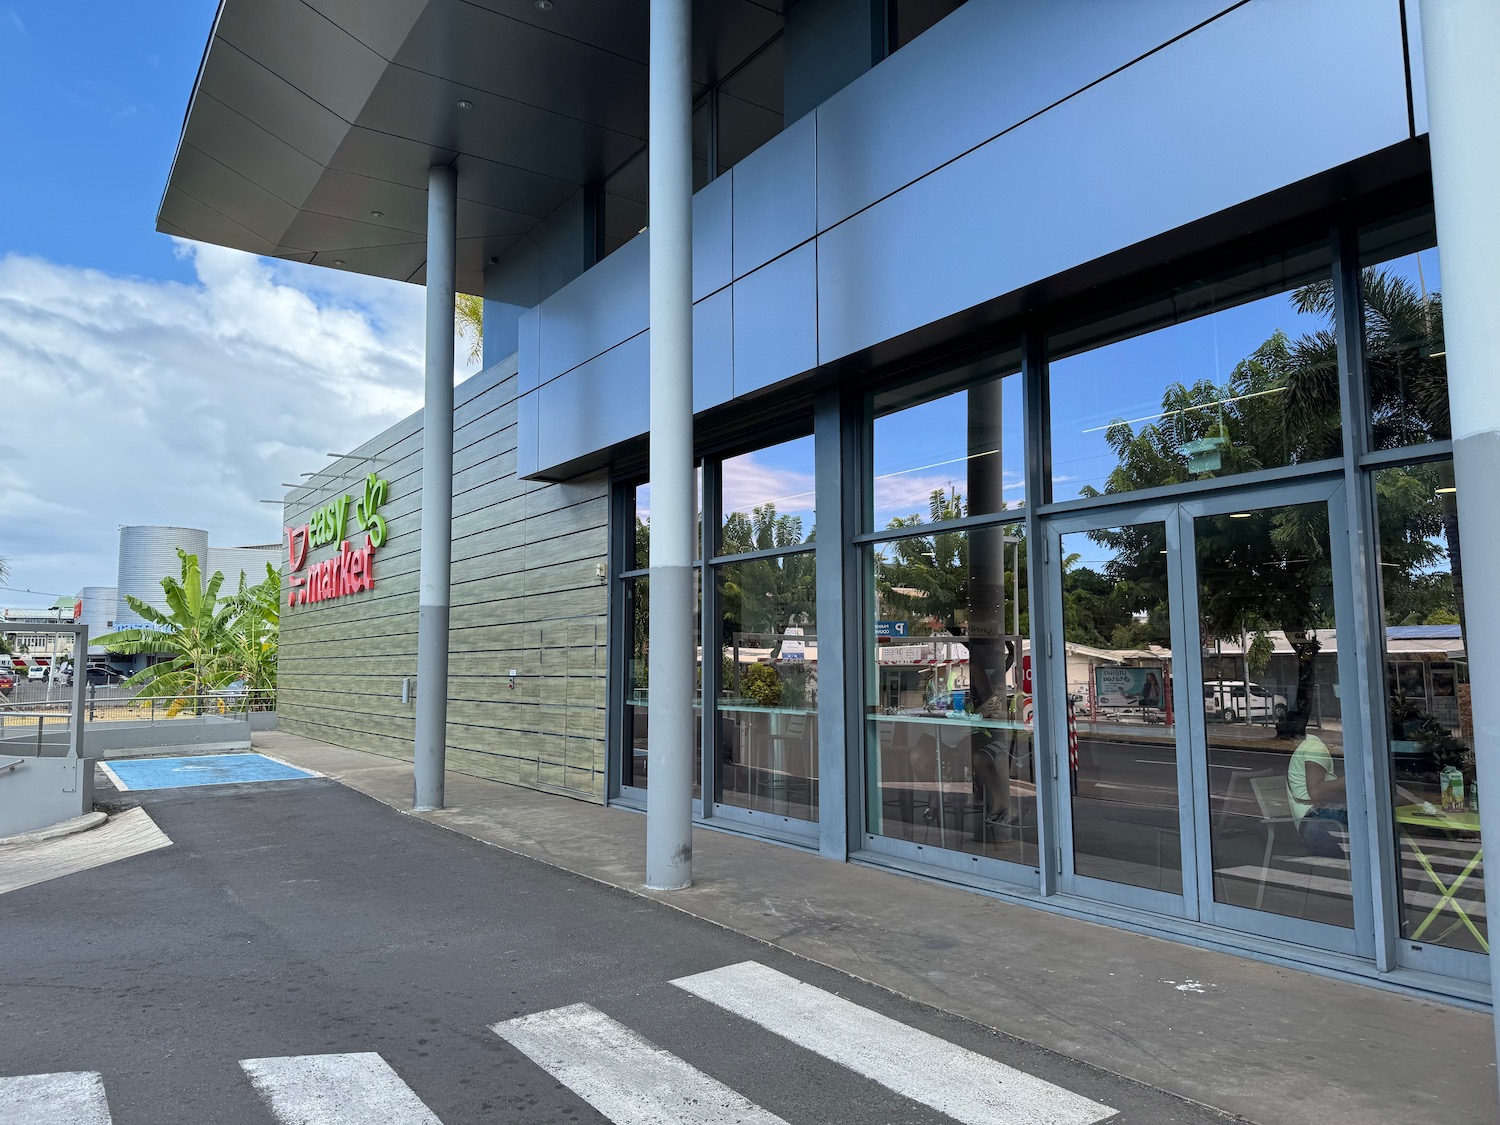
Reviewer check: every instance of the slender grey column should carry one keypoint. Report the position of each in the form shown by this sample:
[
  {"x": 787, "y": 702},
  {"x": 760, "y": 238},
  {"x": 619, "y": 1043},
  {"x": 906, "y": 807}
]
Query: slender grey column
[
  {"x": 669, "y": 793},
  {"x": 437, "y": 494},
  {"x": 1460, "y": 43}
]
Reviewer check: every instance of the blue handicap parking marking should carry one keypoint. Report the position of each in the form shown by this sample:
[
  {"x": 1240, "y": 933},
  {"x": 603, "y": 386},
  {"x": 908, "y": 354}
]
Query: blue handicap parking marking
[{"x": 207, "y": 769}]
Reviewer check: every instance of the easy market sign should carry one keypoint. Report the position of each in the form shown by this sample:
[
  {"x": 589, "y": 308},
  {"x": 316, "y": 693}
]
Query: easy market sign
[{"x": 350, "y": 570}]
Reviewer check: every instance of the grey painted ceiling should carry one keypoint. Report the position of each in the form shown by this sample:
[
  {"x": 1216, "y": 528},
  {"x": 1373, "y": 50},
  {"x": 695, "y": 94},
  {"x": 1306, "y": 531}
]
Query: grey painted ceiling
[{"x": 311, "y": 115}]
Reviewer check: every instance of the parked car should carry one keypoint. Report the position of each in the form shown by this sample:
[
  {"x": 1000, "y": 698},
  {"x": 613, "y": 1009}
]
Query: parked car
[
  {"x": 97, "y": 675},
  {"x": 36, "y": 672},
  {"x": 7, "y": 680},
  {"x": 1229, "y": 701}
]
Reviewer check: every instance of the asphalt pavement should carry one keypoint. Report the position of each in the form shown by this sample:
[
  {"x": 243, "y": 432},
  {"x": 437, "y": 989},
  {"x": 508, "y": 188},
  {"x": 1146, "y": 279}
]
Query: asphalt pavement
[{"x": 304, "y": 953}]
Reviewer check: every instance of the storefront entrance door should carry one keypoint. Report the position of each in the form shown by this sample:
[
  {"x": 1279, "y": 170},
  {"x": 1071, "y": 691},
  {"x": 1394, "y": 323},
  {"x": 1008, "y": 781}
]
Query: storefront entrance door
[{"x": 1195, "y": 646}]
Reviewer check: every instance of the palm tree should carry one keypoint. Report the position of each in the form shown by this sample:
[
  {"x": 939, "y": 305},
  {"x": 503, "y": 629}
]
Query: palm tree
[
  {"x": 196, "y": 636},
  {"x": 468, "y": 315},
  {"x": 257, "y": 630}
]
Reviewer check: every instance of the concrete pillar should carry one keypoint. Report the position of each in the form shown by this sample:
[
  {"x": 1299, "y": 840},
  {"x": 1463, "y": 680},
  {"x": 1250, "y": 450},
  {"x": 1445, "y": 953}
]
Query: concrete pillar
[
  {"x": 669, "y": 796},
  {"x": 431, "y": 749},
  {"x": 1460, "y": 43}
]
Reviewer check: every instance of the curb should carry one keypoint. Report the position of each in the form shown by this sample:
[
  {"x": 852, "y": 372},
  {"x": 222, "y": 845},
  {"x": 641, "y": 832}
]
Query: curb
[{"x": 66, "y": 828}]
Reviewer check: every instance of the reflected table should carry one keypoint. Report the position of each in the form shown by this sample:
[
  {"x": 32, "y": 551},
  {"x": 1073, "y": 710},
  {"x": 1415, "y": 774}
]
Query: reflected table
[{"x": 1451, "y": 824}]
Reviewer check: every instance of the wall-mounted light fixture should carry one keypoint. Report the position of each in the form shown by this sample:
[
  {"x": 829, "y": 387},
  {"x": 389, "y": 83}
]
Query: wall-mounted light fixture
[{"x": 601, "y": 572}]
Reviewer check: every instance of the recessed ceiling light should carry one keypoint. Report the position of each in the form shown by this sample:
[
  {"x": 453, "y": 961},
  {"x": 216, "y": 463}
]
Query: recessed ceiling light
[
  {"x": 377, "y": 214},
  {"x": 1239, "y": 515},
  {"x": 544, "y": 5},
  {"x": 1448, "y": 491},
  {"x": 338, "y": 261},
  {"x": 465, "y": 103}
]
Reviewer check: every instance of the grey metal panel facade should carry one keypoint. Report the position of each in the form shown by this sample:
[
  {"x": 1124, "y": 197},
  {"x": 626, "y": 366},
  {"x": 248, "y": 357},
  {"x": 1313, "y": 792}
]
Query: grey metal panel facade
[
  {"x": 1228, "y": 121},
  {"x": 1181, "y": 122},
  {"x": 713, "y": 354},
  {"x": 713, "y": 237},
  {"x": 776, "y": 321},
  {"x": 585, "y": 409},
  {"x": 775, "y": 196},
  {"x": 984, "y": 69},
  {"x": 593, "y": 313},
  {"x": 147, "y": 555}
]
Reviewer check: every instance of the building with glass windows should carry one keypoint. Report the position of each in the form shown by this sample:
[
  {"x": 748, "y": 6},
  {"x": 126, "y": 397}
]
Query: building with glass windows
[{"x": 1076, "y": 503}]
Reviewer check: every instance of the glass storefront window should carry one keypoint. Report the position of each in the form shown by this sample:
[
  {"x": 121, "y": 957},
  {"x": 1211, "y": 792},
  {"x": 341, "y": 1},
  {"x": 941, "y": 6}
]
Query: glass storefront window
[
  {"x": 768, "y": 498},
  {"x": 1429, "y": 714},
  {"x": 1279, "y": 832},
  {"x": 940, "y": 454},
  {"x": 1221, "y": 377},
  {"x": 767, "y": 709},
  {"x": 950, "y": 761},
  {"x": 1123, "y": 763},
  {"x": 1406, "y": 366},
  {"x": 635, "y": 769}
]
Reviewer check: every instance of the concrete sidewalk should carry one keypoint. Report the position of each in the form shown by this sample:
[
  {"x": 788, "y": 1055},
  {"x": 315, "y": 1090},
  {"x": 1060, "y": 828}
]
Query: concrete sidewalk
[{"x": 1276, "y": 1046}]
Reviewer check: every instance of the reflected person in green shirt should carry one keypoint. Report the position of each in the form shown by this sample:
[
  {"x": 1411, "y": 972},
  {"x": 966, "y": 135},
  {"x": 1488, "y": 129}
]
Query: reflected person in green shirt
[{"x": 1319, "y": 803}]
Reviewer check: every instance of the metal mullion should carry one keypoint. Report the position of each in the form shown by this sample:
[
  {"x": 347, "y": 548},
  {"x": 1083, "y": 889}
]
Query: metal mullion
[
  {"x": 616, "y": 642},
  {"x": 1194, "y": 799},
  {"x": 1040, "y": 618},
  {"x": 710, "y": 614},
  {"x": 833, "y": 485},
  {"x": 1193, "y": 488},
  {"x": 1406, "y": 455},
  {"x": 643, "y": 572},
  {"x": 768, "y": 553},
  {"x": 918, "y": 531},
  {"x": 1379, "y": 937}
]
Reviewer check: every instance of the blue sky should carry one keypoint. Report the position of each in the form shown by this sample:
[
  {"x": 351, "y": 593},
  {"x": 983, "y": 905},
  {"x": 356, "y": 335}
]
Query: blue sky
[
  {"x": 145, "y": 380},
  {"x": 93, "y": 99}
]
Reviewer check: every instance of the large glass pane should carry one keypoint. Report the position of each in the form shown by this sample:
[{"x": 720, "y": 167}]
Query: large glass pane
[
  {"x": 1429, "y": 709},
  {"x": 767, "y": 708},
  {"x": 1122, "y": 714},
  {"x": 635, "y": 767},
  {"x": 950, "y": 761},
  {"x": 1406, "y": 361},
  {"x": 1216, "y": 378},
  {"x": 909, "y": 18},
  {"x": 768, "y": 498},
  {"x": 940, "y": 454},
  {"x": 1279, "y": 818},
  {"x": 750, "y": 105}
]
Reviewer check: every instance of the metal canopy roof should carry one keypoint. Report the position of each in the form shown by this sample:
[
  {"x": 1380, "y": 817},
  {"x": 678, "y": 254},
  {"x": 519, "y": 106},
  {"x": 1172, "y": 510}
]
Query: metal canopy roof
[{"x": 309, "y": 116}]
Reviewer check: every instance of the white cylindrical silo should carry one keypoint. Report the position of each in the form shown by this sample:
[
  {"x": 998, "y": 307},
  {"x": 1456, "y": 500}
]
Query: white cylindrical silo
[
  {"x": 249, "y": 561},
  {"x": 99, "y": 608},
  {"x": 147, "y": 555}
]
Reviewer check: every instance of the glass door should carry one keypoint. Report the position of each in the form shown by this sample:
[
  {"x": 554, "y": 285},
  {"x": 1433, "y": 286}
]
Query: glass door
[
  {"x": 1196, "y": 650},
  {"x": 1280, "y": 784},
  {"x": 1126, "y": 797}
]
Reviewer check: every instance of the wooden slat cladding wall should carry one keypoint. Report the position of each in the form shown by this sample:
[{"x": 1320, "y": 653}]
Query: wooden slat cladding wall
[{"x": 526, "y": 595}]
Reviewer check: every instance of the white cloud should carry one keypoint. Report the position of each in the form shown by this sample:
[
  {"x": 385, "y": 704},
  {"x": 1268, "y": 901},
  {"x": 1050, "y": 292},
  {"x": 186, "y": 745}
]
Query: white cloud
[{"x": 131, "y": 401}]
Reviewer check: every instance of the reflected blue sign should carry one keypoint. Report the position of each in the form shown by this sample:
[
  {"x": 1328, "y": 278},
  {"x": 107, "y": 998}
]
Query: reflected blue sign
[{"x": 890, "y": 629}]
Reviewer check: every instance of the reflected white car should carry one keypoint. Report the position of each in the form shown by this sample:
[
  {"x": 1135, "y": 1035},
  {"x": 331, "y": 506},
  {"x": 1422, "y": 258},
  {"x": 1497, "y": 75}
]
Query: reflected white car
[{"x": 1233, "y": 701}]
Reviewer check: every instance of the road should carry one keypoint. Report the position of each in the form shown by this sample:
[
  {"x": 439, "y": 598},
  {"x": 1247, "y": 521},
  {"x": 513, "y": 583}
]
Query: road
[{"x": 303, "y": 954}]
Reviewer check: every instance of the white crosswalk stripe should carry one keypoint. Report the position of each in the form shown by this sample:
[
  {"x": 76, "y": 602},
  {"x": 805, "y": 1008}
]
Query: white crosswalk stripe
[
  {"x": 357, "y": 1089},
  {"x": 958, "y": 1082},
  {"x": 75, "y": 1098},
  {"x": 630, "y": 1081}
]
